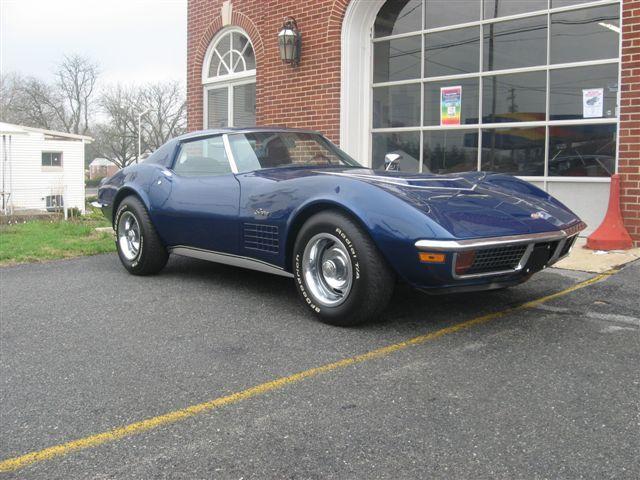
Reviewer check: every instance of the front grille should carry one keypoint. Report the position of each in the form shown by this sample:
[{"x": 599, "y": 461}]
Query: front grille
[
  {"x": 567, "y": 246},
  {"x": 261, "y": 237},
  {"x": 497, "y": 259}
]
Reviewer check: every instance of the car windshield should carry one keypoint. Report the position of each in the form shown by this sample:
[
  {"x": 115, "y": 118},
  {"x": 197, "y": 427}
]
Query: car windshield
[{"x": 254, "y": 151}]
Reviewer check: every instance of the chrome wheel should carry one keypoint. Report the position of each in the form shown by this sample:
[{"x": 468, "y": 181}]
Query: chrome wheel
[
  {"x": 129, "y": 235},
  {"x": 327, "y": 269}
]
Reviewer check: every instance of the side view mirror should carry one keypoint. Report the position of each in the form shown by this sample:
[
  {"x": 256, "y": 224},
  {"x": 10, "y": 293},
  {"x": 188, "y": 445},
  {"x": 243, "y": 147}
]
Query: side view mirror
[{"x": 390, "y": 161}]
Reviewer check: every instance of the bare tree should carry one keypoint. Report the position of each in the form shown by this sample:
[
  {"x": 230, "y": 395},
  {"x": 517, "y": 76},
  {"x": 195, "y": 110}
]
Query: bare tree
[
  {"x": 167, "y": 113},
  {"x": 26, "y": 101},
  {"x": 76, "y": 79},
  {"x": 116, "y": 139},
  {"x": 62, "y": 105},
  {"x": 9, "y": 97}
]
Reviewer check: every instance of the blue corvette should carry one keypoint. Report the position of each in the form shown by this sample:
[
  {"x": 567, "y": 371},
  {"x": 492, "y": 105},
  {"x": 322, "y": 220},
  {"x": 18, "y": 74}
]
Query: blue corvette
[{"x": 289, "y": 202}]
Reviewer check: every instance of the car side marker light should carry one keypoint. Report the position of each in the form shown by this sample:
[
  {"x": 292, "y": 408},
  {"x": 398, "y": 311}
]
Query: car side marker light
[{"x": 432, "y": 257}]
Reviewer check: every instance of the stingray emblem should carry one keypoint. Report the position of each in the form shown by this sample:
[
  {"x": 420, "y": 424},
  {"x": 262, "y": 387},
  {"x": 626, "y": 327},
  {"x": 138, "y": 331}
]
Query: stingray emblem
[{"x": 540, "y": 215}]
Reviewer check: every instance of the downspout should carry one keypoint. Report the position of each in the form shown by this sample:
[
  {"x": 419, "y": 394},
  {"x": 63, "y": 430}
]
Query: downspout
[{"x": 4, "y": 169}]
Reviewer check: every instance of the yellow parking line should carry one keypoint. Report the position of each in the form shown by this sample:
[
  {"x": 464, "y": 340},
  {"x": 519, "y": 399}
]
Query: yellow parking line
[{"x": 15, "y": 463}]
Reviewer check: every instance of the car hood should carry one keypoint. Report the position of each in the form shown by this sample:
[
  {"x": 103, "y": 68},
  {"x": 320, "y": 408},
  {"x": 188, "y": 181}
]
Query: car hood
[
  {"x": 468, "y": 205},
  {"x": 475, "y": 204}
]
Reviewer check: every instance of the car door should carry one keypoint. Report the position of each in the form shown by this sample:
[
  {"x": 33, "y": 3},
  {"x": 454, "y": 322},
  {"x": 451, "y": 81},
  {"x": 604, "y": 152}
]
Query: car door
[{"x": 201, "y": 210}]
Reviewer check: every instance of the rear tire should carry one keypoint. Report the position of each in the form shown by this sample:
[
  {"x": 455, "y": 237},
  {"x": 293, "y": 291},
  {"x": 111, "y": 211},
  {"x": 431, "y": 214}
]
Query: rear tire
[
  {"x": 139, "y": 247},
  {"x": 339, "y": 272}
]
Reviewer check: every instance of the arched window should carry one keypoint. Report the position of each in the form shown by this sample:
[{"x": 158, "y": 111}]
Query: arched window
[{"x": 229, "y": 81}]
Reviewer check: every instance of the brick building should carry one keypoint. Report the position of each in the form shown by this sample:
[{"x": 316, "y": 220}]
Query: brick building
[
  {"x": 101, "y": 167},
  {"x": 543, "y": 89}
]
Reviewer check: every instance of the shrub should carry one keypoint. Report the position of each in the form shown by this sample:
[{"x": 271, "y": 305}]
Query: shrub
[{"x": 93, "y": 182}]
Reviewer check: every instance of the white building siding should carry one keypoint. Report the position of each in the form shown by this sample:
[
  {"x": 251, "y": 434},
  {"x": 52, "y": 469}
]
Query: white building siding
[{"x": 30, "y": 183}]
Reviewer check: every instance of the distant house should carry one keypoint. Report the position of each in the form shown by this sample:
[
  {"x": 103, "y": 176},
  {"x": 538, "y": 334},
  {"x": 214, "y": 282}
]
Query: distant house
[
  {"x": 101, "y": 167},
  {"x": 40, "y": 169}
]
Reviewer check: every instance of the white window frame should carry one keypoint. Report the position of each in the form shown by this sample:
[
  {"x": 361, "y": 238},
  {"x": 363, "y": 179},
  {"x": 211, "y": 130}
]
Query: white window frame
[
  {"x": 356, "y": 126},
  {"x": 228, "y": 81},
  {"x": 229, "y": 85}
]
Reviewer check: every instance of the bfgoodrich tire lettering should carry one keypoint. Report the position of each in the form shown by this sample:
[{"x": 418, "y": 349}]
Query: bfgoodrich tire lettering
[
  {"x": 150, "y": 256},
  {"x": 371, "y": 280}
]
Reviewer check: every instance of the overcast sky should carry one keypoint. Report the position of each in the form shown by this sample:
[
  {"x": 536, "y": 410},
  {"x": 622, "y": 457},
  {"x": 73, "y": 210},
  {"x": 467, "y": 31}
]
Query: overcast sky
[{"x": 132, "y": 40}]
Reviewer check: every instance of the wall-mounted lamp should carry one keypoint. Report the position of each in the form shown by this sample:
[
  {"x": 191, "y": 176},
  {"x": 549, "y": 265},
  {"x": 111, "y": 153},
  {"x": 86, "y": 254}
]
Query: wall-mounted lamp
[{"x": 290, "y": 41}]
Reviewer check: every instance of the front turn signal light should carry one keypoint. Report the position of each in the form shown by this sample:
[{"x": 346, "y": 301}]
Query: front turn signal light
[
  {"x": 432, "y": 257},
  {"x": 464, "y": 261}
]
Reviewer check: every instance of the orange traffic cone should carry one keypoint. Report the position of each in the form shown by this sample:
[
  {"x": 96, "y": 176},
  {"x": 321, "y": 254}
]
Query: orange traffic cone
[{"x": 611, "y": 234}]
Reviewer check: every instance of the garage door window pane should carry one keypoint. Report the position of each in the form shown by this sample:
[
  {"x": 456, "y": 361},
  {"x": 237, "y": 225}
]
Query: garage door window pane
[
  {"x": 441, "y": 13},
  {"x": 589, "y": 34},
  {"x": 244, "y": 105},
  {"x": 514, "y": 98},
  {"x": 432, "y": 100},
  {"x": 582, "y": 150},
  {"x": 452, "y": 52},
  {"x": 517, "y": 151},
  {"x": 397, "y": 59},
  {"x": 502, "y": 8},
  {"x": 407, "y": 144},
  {"x": 515, "y": 44},
  {"x": 398, "y": 16},
  {"x": 448, "y": 151},
  {"x": 397, "y": 106},
  {"x": 566, "y": 99},
  {"x": 217, "y": 107},
  {"x": 566, "y": 3}
]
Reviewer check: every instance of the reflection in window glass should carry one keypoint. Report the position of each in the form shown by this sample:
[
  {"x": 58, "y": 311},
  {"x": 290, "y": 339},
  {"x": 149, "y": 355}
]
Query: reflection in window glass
[
  {"x": 517, "y": 151},
  {"x": 398, "y": 16},
  {"x": 452, "y": 52},
  {"x": 469, "y": 114},
  {"x": 566, "y": 3},
  {"x": 51, "y": 159},
  {"x": 406, "y": 144},
  {"x": 514, "y": 44},
  {"x": 514, "y": 98},
  {"x": 589, "y": 34},
  {"x": 567, "y": 84},
  {"x": 442, "y": 13},
  {"x": 397, "y": 106},
  {"x": 502, "y": 8},
  {"x": 448, "y": 151},
  {"x": 582, "y": 150},
  {"x": 397, "y": 59}
]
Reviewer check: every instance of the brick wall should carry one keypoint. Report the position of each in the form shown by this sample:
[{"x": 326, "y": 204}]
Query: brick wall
[
  {"x": 307, "y": 96},
  {"x": 629, "y": 144}
]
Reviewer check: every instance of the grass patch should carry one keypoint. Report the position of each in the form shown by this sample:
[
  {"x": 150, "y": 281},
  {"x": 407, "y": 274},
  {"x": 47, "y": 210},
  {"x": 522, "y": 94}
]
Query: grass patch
[{"x": 41, "y": 240}]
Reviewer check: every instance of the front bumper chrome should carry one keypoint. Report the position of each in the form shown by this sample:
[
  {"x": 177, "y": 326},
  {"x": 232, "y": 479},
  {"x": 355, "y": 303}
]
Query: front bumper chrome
[{"x": 559, "y": 239}]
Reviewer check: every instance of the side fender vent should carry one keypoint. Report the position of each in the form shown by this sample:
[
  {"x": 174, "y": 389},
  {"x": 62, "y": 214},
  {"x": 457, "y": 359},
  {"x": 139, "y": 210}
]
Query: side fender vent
[{"x": 265, "y": 238}]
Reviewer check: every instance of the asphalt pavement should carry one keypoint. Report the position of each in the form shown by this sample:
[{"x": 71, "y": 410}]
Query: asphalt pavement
[{"x": 549, "y": 391}]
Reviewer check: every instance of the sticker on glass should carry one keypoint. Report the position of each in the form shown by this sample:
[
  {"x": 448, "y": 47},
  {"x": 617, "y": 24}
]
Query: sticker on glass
[
  {"x": 592, "y": 102},
  {"x": 450, "y": 105}
]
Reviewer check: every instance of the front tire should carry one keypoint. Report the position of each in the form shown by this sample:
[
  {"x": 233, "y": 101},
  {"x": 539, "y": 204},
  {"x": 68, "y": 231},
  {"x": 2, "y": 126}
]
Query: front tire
[
  {"x": 339, "y": 273},
  {"x": 139, "y": 247}
]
